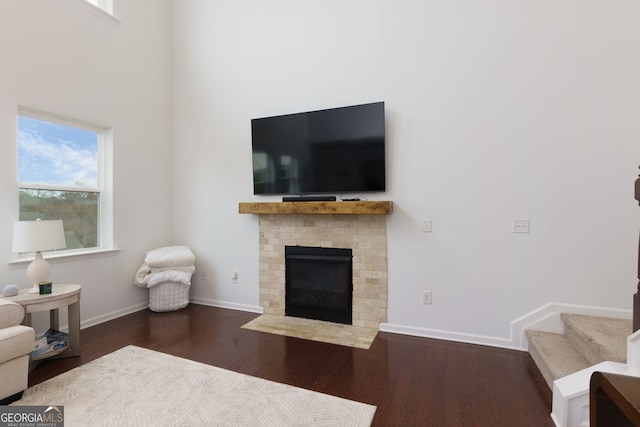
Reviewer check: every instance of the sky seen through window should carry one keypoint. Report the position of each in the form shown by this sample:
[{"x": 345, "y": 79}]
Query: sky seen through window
[{"x": 56, "y": 154}]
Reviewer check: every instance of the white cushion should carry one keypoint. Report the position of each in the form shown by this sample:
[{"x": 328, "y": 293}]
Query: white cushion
[
  {"x": 11, "y": 313},
  {"x": 15, "y": 376},
  {"x": 16, "y": 341}
]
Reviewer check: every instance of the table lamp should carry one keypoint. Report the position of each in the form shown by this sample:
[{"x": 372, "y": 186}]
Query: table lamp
[{"x": 37, "y": 236}]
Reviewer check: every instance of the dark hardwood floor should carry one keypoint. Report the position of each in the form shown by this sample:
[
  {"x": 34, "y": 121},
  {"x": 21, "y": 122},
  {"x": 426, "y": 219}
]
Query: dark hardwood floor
[{"x": 412, "y": 381}]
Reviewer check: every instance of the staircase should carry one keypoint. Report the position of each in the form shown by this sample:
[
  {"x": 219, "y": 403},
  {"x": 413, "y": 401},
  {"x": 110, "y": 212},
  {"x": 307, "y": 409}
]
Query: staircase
[
  {"x": 586, "y": 341},
  {"x": 588, "y": 344}
]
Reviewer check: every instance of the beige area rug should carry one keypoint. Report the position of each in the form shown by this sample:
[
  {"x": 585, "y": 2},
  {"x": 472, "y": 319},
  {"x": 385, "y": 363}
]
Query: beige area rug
[
  {"x": 315, "y": 330},
  {"x": 139, "y": 387}
]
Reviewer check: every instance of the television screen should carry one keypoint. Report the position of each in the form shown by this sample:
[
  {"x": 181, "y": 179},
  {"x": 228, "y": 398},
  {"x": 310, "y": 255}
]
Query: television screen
[{"x": 328, "y": 151}]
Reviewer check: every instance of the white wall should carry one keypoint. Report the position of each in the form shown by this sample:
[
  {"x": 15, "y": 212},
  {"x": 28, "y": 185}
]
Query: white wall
[
  {"x": 67, "y": 58},
  {"x": 495, "y": 109}
]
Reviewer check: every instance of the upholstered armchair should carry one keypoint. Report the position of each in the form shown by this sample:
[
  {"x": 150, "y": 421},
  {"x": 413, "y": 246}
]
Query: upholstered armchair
[{"x": 16, "y": 343}]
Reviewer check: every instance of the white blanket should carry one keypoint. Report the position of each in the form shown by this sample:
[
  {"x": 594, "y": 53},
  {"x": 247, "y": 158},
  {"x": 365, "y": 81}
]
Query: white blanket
[
  {"x": 170, "y": 256},
  {"x": 145, "y": 273},
  {"x": 172, "y": 276}
]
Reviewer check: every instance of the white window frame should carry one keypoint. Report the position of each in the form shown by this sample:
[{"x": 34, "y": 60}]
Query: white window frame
[
  {"x": 100, "y": 8},
  {"x": 105, "y": 5},
  {"x": 105, "y": 181}
]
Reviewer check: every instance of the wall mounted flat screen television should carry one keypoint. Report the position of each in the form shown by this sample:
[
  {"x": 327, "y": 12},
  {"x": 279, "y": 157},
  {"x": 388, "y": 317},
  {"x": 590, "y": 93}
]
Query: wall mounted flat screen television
[{"x": 337, "y": 150}]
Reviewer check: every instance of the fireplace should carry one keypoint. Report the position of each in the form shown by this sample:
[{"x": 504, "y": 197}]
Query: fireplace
[
  {"x": 318, "y": 283},
  {"x": 366, "y": 235}
]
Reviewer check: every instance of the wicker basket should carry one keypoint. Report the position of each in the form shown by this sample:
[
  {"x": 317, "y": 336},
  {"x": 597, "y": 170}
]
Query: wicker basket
[{"x": 168, "y": 296}]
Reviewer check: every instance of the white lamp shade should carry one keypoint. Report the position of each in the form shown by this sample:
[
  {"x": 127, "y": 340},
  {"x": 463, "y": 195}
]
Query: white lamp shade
[{"x": 37, "y": 236}]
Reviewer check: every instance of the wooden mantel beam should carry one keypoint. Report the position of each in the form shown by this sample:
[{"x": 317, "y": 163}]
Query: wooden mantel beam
[{"x": 317, "y": 208}]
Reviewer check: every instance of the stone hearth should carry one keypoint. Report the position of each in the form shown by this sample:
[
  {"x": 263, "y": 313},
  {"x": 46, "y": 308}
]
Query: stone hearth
[{"x": 366, "y": 235}]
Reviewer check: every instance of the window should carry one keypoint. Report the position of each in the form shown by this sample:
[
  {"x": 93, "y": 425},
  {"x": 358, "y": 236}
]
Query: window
[
  {"x": 106, "y": 5},
  {"x": 62, "y": 175}
]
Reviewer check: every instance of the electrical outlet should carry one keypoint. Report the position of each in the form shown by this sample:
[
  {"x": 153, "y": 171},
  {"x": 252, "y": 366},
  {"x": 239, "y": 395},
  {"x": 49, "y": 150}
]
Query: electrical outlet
[
  {"x": 520, "y": 225},
  {"x": 426, "y": 225},
  {"x": 203, "y": 275},
  {"x": 426, "y": 297},
  {"x": 234, "y": 277}
]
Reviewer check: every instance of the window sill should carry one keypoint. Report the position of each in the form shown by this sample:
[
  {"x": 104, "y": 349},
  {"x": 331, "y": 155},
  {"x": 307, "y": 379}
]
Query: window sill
[
  {"x": 54, "y": 258},
  {"x": 99, "y": 11}
]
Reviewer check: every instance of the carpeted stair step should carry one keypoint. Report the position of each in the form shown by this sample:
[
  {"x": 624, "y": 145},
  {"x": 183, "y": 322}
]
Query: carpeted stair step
[
  {"x": 599, "y": 339},
  {"x": 554, "y": 355}
]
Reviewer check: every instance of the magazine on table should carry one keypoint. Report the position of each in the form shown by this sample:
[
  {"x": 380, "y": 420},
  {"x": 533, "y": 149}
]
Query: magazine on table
[{"x": 49, "y": 342}]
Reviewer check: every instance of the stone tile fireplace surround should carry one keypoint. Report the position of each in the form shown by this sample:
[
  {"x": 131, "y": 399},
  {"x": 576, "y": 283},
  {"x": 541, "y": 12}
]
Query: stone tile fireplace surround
[{"x": 356, "y": 229}]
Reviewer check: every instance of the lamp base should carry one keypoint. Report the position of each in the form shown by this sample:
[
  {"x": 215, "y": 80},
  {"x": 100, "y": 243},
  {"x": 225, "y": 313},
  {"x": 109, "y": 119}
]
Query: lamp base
[{"x": 37, "y": 272}]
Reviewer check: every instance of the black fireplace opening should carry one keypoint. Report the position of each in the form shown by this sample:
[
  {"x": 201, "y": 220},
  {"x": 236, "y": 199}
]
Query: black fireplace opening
[{"x": 318, "y": 283}]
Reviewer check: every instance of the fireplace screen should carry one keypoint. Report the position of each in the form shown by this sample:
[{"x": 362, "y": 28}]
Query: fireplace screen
[{"x": 318, "y": 283}]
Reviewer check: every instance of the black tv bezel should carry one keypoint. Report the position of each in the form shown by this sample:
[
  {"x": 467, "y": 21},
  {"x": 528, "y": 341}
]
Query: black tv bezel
[{"x": 304, "y": 192}]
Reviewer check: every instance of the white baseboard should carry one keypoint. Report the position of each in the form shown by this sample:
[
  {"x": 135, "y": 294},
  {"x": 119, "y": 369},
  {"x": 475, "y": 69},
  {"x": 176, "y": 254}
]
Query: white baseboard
[
  {"x": 447, "y": 335},
  {"x": 143, "y": 306},
  {"x": 545, "y": 318},
  {"x": 112, "y": 315},
  {"x": 229, "y": 305}
]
